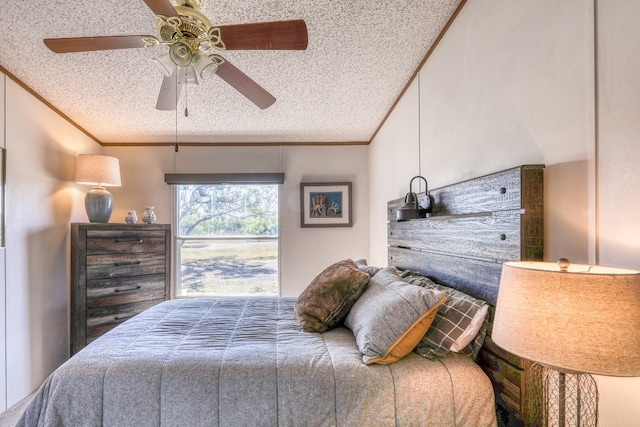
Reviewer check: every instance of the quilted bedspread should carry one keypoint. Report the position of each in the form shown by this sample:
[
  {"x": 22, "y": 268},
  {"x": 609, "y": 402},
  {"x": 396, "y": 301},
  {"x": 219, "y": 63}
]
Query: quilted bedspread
[{"x": 245, "y": 362}]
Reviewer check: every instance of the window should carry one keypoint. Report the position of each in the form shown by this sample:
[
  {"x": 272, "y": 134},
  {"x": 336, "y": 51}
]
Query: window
[{"x": 227, "y": 239}]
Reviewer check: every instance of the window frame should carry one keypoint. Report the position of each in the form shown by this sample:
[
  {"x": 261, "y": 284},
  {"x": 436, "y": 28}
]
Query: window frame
[{"x": 174, "y": 180}]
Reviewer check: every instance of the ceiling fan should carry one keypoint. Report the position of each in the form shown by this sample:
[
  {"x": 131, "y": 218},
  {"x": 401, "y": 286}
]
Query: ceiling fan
[{"x": 193, "y": 41}]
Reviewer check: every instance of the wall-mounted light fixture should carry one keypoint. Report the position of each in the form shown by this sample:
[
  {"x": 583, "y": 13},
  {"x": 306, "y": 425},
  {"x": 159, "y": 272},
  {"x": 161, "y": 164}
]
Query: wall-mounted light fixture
[{"x": 412, "y": 207}]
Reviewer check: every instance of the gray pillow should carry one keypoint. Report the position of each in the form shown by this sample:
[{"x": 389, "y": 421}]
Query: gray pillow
[
  {"x": 369, "y": 269},
  {"x": 391, "y": 316},
  {"x": 325, "y": 302}
]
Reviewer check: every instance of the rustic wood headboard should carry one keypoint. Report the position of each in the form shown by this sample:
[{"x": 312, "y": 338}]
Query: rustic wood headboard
[{"x": 474, "y": 227}]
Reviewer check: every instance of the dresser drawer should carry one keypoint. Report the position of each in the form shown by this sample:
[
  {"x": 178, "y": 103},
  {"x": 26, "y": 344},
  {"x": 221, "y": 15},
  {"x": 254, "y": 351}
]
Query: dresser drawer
[
  {"x": 103, "y": 319},
  {"x": 120, "y": 241},
  {"x": 113, "y": 291},
  {"x": 121, "y": 265}
]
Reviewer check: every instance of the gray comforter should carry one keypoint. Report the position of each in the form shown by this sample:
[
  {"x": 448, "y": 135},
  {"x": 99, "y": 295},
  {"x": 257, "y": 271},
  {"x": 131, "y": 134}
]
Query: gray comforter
[{"x": 245, "y": 362}]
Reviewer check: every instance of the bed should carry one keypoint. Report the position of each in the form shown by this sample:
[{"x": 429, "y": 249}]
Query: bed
[{"x": 248, "y": 362}]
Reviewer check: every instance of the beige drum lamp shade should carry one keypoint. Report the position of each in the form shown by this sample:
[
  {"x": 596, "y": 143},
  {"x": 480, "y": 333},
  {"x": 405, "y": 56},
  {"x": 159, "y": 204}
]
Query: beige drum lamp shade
[{"x": 584, "y": 319}]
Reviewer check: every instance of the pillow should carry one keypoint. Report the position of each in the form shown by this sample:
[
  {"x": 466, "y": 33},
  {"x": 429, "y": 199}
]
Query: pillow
[
  {"x": 325, "y": 302},
  {"x": 460, "y": 324},
  {"x": 370, "y": 270},
  {"x": 391, "y": 317}
]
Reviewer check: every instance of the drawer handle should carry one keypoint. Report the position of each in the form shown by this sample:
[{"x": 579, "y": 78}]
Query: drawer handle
[
  {"x": 122, "y": 264},
  {"x": 128, "y": 240},
  {"x": 123, "y": 316},
  {"x": 131, "y": 288}
]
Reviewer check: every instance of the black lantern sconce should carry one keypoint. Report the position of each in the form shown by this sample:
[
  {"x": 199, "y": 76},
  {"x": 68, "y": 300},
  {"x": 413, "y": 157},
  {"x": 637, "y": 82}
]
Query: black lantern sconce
[{"x": 412, "y": 208}]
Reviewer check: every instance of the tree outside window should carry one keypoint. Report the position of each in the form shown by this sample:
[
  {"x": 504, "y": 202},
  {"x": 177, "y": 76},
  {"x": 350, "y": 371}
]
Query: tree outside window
[{"x": 227, "y": 239}]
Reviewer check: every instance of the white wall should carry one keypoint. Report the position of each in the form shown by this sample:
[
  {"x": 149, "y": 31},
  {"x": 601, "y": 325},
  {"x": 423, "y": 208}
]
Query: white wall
[
  {"x": 393, "y": 162},
  {"x": 41, "y": 202},
  {"x": 618, "y": 176},
  {"x": 496, "y": 93},
  {"x": 513, "y": 83},
  {"x": 304, "y": 252},
  {"x": 3, "y": 282}
]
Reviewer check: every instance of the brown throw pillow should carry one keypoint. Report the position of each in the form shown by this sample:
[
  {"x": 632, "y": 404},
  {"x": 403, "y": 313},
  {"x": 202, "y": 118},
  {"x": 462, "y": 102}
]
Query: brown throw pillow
[{"x": 326, "y": 301}]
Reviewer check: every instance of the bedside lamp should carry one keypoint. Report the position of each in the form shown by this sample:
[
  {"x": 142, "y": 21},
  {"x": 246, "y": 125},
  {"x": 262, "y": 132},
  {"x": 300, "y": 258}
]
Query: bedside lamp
[
  {"x": 100, "y": 171},
  {"x": 572, "y": 320}
]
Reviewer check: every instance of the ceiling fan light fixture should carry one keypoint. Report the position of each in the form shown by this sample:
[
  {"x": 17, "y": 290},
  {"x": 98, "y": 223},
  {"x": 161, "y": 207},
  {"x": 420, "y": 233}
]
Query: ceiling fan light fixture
[
  {"x": 191, "y": 37},
  {"x": 188, "y": 75},
  {"x": 204, "y": 66},
  {"x": 165, "y": 64},
  {"x": 181, "y": 54}
]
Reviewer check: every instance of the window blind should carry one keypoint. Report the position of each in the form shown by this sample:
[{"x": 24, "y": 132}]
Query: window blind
[{"x": 223, "y": 178}]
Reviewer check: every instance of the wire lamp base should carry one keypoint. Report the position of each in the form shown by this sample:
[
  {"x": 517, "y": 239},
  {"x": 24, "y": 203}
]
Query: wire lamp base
[{"x": 562, "y": 399}]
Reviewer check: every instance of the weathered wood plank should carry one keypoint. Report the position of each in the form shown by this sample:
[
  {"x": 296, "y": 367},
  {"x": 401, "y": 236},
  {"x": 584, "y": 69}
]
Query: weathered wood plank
[
  {"x": 113, "y": 291},
  {"x": 495, "y": 192},
  {"x": 493, "y": 237},
  {"x": 475, "y": 277},
  {"x": 120, "y": 241},
  {"x": 102, "y": 319},
  {"x": 122, "y": 265}
]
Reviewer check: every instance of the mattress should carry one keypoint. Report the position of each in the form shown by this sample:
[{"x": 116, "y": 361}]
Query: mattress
[{"x": 245, "y": 362}]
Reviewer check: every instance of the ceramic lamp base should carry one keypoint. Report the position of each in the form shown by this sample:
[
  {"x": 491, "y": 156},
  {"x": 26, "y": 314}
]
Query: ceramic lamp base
[{"x": 99, "y": 204}]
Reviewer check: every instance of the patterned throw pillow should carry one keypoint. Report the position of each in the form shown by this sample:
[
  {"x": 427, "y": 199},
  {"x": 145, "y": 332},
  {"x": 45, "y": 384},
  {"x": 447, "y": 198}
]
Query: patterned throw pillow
[
  {"x": 326, "y": 301},
  {"x": 391, "y": 317},
  {"x": 460, "y": 325}
]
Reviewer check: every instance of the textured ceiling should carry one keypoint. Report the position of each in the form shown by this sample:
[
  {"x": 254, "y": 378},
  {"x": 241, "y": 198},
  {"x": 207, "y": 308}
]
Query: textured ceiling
[{"x": 360, "y": 56}]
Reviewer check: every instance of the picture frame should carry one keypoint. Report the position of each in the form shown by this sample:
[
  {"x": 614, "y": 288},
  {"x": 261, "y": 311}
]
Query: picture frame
[{"x": 325, "y": 204}]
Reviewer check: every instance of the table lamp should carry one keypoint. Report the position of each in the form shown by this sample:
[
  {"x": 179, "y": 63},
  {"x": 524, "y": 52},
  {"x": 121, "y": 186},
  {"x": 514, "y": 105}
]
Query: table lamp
[
  {"x": 99, "y": 171},
  {"x": 571, "y": 320}
]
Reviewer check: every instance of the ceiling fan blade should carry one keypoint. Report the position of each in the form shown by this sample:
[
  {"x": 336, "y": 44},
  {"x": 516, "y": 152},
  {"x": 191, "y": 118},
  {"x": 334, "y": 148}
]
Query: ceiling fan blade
[
  {"x": 169, "y": 93},
  {"x": 279, "y": 35},
  {"x": 85, "y": 44},
  {"x": 243, "y": 84},
  {"x": 161, "y": 7}
]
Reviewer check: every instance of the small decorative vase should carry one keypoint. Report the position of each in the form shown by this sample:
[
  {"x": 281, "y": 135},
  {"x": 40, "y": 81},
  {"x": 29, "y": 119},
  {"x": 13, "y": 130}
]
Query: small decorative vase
[
  {"x": 149, "y": 216},
  {"x": 131, "y": 217}
]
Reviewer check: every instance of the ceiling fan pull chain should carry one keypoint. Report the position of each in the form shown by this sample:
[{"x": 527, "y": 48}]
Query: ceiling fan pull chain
[{"x": 186, "y": 110}]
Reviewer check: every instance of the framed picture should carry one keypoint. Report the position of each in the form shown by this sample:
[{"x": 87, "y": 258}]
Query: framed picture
[{"x": 325, "y": 204}]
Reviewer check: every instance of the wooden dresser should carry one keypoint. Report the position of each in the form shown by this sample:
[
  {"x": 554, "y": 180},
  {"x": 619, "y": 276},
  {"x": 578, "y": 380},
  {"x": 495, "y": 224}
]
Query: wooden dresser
[{"x": 117, "y": 271}]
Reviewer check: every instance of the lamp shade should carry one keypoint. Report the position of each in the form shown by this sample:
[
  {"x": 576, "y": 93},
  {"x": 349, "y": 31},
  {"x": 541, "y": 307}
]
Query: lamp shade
[
  {"x": 165, "y": 64},
  {"x": 94, "y": 169},
  {"x": 585, "y": 319},
  {"x": 181, "y": 54},
  {"x": 204, "y": 65}
]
